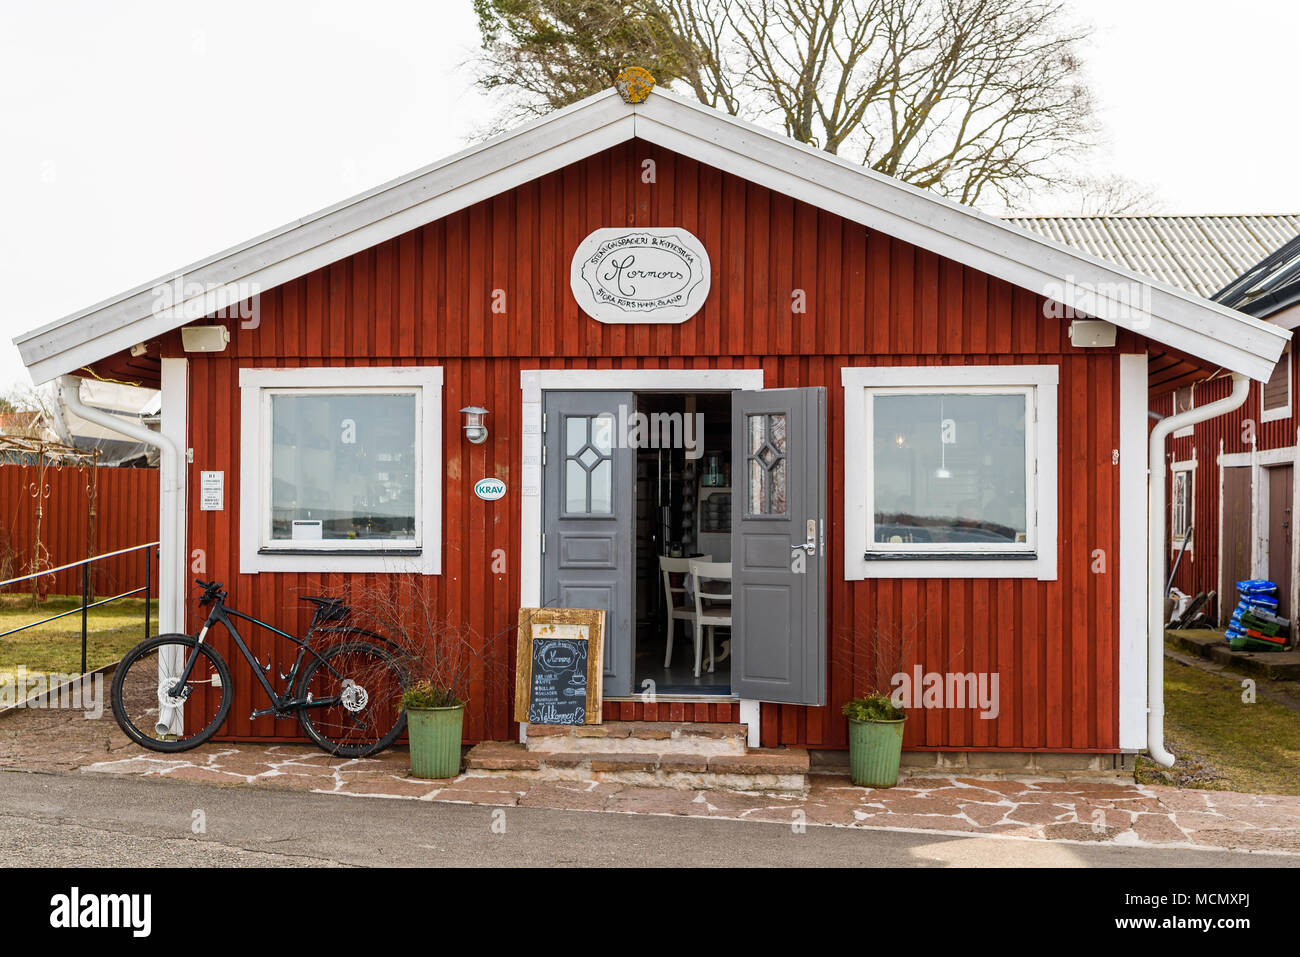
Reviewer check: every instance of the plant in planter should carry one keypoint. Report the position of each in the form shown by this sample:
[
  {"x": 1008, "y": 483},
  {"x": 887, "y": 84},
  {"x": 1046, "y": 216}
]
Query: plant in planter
[
  {"x": 443, "y": 664},
  {"x": 875, "y": 740},
  {"x": 876, "y": 718}
]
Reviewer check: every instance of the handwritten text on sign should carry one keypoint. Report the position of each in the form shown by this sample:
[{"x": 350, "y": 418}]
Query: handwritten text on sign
[
  {"x": 644, "y": 275},
  {"x": 559, "y": 665},
  {"x": 559, "y": 691}
]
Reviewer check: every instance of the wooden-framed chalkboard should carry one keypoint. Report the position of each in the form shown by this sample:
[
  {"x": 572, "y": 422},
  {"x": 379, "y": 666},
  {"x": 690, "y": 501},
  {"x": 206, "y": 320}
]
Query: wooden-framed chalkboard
[{"x": 559, "y": 665}]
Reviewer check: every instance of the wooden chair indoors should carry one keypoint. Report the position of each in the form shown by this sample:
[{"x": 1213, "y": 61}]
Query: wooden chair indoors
[{"x": 712, "y": 587}]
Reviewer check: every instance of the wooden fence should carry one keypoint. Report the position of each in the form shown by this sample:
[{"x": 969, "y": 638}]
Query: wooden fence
[{"x": 82, "y": 512}]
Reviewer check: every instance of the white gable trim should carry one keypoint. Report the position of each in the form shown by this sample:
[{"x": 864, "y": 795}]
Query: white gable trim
[
  {"x": 1181, "y": 320},
  {"x": 1174, "y": 317}
]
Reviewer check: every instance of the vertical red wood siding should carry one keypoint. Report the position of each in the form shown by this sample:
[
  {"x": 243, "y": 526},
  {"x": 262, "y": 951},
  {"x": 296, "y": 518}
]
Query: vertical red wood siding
[
  {"x": 126, "y": 514},
  {"x": 425, "y": 298}
]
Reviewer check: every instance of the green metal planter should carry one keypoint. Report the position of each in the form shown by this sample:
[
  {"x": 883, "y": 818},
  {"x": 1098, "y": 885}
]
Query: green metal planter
[
  {"x": 875, "y": 748},
  {"x": 435, "y": 741}
]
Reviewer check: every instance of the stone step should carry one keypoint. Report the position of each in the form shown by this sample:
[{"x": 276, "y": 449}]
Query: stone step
[
  {"x": 758, "y": 769},
  {"x": 639, "y": 737}
]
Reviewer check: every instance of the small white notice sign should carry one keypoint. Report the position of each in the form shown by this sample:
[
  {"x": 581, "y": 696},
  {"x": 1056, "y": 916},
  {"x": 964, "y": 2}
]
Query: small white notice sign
[{"x": 212, "y": 491}]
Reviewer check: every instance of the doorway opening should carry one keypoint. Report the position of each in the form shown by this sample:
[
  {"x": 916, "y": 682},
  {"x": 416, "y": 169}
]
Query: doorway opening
[{"x": 683, "y": 545}]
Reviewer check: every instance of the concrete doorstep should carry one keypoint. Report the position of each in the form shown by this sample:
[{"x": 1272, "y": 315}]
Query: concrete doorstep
[{"x": 1273, "y": 665}]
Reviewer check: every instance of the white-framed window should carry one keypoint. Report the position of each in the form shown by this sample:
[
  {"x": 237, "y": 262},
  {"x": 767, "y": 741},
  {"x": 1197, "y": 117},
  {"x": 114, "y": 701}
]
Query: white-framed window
[
  {"x": 1184, "y": 401},
  {"x": 341, "y": 469},
  {"x": 1182, "y": 503},
  {"x": 1275, "y": 396},
  {"x": 950, "y": 472}
]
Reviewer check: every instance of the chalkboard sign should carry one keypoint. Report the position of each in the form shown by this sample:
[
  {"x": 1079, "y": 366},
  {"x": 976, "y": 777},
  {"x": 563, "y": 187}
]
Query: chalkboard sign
[{"x": 559, "y": 665}]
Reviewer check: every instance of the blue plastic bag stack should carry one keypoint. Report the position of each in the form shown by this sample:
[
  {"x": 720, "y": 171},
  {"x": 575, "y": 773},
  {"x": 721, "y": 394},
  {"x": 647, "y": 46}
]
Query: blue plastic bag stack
[{"x": 1254, "y": 593}]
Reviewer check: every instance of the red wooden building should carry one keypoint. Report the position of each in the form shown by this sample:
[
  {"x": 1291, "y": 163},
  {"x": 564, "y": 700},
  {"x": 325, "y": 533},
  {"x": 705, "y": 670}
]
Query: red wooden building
[
  {"x": 908, "y": 426},
  {"x": 1233, "y": 478}
]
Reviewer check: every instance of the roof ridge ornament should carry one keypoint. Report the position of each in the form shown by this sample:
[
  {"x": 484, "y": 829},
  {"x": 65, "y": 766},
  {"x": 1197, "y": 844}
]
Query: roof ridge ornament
[{"x": 634, "y": 84}]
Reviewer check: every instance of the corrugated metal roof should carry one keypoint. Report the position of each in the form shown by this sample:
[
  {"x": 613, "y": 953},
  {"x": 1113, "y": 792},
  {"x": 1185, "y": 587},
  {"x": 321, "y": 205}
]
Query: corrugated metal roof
[{"x": 1200, "y": 254}]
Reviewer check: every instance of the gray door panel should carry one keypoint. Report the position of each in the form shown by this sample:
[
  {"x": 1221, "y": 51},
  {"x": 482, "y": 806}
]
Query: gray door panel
[
  {"x": 587, "y": 495},
  {"x": 778, "y": 470}
]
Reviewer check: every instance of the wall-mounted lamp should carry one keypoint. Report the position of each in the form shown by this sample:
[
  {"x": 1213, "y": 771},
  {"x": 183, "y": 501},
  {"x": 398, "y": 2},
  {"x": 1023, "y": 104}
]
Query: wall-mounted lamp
[
  {"x": 205, "y": 338},
  {"x": 476, "y": 430}
]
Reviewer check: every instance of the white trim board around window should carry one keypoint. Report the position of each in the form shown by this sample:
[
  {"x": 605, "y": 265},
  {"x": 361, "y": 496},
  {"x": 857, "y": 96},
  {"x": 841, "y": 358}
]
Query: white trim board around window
[
  {"x": 1184, "y": 472},
  {"x": 1033, "y": 558},
  {"x": 1279, "y": 381},
  {"x": 259, "y": 551}
]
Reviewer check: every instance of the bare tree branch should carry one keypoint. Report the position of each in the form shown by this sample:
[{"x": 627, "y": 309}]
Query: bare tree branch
[{"x": 979, "y": 100}]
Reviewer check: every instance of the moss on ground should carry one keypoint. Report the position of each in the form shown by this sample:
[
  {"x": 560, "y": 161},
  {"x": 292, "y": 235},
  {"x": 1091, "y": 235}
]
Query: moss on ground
[{"x": 1221, "y": 741}]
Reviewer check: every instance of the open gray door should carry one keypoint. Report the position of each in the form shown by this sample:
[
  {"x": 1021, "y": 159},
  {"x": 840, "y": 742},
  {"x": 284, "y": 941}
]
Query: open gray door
[
  {"x": 778, "y": 547},
  {"x": 587, "y": 514}
]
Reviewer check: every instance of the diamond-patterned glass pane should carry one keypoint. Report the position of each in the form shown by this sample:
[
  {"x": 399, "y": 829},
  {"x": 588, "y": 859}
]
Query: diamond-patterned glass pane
[
  {"x": 776, "y": 432},
  {"x": 588, "y": 457},
  {"x": 767, "y": 473},
  {"x": 602, "y": 434},
  {"x": 575, "y": 487},
  {"x": 575, "y": 435},
  {"x": 602, "y": 487}
]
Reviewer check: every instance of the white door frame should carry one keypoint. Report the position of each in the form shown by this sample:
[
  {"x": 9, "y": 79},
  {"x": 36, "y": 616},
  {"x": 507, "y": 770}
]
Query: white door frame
[
  {"x": 1259, "y": 461},
  {"x": 533, "y": 382}
]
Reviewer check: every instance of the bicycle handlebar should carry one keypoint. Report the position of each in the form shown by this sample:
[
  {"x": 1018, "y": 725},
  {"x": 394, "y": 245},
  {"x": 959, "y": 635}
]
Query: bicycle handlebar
[{"x": 211, "y": 591}]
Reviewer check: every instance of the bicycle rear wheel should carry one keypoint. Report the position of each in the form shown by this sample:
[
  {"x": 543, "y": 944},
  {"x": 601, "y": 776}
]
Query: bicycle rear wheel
[
  {"x": 144, "y": 702},
  {"x": 364, "y": 681}
]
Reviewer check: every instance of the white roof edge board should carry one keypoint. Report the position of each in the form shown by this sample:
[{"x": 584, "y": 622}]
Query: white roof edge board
[{"x": 1179, "y": 319}]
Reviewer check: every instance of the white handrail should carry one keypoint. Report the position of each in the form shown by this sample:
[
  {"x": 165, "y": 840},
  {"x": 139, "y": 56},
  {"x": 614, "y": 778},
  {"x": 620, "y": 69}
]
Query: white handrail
[{"x": 93, "y": 558}]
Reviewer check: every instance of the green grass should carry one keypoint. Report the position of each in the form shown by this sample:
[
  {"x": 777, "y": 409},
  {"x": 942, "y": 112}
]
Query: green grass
[
  {"x": 56, "y": 647},
  {"x": 1223, "y": 743}
]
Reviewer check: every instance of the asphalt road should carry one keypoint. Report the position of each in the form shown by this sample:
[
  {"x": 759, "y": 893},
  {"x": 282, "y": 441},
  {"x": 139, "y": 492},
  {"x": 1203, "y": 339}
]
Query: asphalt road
[{"x": 80, "y": 819}]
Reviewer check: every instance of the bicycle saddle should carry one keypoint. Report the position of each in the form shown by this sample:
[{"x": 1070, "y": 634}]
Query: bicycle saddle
[{"x": 330, "y": 608}]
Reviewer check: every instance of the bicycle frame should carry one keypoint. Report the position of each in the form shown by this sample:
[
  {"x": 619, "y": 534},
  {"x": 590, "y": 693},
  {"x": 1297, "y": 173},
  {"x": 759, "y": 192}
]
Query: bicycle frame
[{"x": 281, "y": 705}]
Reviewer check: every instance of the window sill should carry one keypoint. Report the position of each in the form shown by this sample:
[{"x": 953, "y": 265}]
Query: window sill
[
  {"x": 950, "y": 556},
  {"x": 967, "y": 566},
  {"x": 362, "y": 561},
  {"x": 380, "y": 552}
]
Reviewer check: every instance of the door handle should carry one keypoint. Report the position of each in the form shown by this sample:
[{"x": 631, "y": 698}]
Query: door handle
[{"x": 809, "y": 545}]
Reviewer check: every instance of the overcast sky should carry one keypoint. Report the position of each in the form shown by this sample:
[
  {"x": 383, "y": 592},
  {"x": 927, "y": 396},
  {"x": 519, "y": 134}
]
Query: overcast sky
[{"x": 141, "y": 136}]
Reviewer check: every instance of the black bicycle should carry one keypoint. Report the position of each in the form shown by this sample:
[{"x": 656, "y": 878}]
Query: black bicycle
[{"x": 172, "y": 692}]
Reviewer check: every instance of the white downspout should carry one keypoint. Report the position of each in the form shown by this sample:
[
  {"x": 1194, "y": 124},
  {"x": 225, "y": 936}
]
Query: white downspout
[
  {"x": 1157, "y": 472},
  {"x": 170, "y": 529}
]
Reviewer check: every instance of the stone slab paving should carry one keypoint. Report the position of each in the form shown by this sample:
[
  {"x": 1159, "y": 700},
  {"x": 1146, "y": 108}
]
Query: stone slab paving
[
  {"x": 1039, "y": 809},
  {"x": 1028, "y": 808}
]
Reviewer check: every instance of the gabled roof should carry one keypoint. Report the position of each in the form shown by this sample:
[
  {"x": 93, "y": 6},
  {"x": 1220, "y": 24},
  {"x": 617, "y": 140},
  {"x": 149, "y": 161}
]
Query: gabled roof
[
  {"x": 1268, "y": 287},
  {"x": 1085, "y": 282},
  {"x": 1198, "y": 253}
]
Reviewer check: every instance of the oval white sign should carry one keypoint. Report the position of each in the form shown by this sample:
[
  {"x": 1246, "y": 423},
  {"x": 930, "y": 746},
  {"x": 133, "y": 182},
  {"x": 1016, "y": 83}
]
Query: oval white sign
[
  {"x": 640, "y": 275},
  {"x": 490, "y": 489}
]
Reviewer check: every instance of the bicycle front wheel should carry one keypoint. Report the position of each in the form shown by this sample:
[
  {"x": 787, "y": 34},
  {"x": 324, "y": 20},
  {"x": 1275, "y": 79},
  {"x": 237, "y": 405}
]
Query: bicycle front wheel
[
  {"x": 362, "y": 683},
  {"x": 153, "y": 712}
]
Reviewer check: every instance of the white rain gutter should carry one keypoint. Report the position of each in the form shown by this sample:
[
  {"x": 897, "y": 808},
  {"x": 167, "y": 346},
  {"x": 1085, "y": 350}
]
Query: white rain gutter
[
  {"x": 170, "y": 579},
  {"x": 1157, "y": 472}
]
